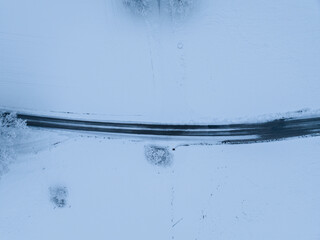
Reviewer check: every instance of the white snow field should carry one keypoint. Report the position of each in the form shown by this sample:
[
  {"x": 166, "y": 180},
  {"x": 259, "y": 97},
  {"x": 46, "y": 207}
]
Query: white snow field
[
  {"x": 222, "y": 59},
  {"x": 167, "y": 61},
  {"x": 255, "y": 191}
]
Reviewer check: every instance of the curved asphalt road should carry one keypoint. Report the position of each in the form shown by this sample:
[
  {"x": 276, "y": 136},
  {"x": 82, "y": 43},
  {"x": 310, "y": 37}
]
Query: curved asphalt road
[{"x": 241, "y": 133}]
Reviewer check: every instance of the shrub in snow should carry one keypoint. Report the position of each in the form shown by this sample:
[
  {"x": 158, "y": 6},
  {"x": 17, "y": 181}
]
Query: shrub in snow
[
  {"x": 138, "y": 6},
  {"x": 58, "y": 196},
  {"x": 180, "y": 8},
  {"x": 176, "y": 8},
  {"x": 11, "y": 130},
  {"x": 158, "y": 155}
]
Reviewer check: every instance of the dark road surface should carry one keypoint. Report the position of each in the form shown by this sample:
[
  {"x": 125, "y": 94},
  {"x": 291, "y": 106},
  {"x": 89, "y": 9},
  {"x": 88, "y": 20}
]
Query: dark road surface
[{"x": 242, "y": 133}]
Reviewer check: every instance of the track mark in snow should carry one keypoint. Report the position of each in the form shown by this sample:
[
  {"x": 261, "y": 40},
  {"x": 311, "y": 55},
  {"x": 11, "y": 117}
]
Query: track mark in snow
[{"x": 177, "y": 222}]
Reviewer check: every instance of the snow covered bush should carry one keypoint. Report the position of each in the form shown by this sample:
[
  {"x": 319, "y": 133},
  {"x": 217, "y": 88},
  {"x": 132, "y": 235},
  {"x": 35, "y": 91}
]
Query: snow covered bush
[
  {"x": 141, "y": 7},
  {"x": 11, "y": 129},
  {"x": 58, "y": 196},
  {"x": 176, "y": 8},
  {"x": 158, "y": 155},
  {"x": 180, "y": 8}
]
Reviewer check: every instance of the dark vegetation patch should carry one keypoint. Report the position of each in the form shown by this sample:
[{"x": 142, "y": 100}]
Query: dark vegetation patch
[
  {"x": 58, "y": 196},
  {"x": 175, "y": 8},
  {"x": 158, "y": 155},
  {"x": 180, "y": 7},
  {"x": 141, "y": 7}
]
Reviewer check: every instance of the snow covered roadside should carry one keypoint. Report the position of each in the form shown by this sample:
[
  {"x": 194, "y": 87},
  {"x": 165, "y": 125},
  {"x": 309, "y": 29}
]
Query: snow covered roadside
[
  {"x": 110, "y": 190},
  {"x": 16, "y": 140},
  {"x": 12, "y": 130}
]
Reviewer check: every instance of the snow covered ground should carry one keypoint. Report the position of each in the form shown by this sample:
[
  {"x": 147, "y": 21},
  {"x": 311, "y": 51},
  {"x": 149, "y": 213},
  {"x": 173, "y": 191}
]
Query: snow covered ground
[
  {"x": 206, "y": 61},
  {"x": 255, "y": 191},
  {"x": 221, "y": 59}
]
